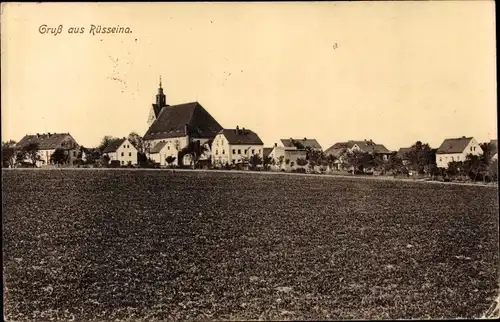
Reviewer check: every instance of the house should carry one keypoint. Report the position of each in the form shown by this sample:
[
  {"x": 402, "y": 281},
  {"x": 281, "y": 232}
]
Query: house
[
  {"x": 403, "y": 155},
  {"x": 285, "y": 158},
  {"x": 456, "y": 149},
  {"x": 121, "y": 150},
  {"x": 234, "y": 146},
  {"x": 177, "y": 126},
  {"x": 47, "y": 143},
  {"x": 339, "y": 150},
  {"x": 300, "y": 144}
]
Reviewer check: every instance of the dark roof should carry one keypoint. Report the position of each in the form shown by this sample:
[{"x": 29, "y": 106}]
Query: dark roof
[
  {"x": 46, "y": 141},
  {"x": 114, "y": 145},
  {"x": 235, "y": 136},
  {"x": 172, "y": 120},
  {"x": 157, "y": 148},
  {"x": 402, "y": 152},
  {"x": 312, "y": 143},
  {"x": 157, "y": 108},
  {"x": 266, "y": 151},
  {"x": 456, "y": 145},
  {"x": 364, "y": 145}
]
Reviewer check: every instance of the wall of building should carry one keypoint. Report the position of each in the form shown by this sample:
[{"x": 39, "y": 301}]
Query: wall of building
[
  {"x": 126, "y": 154},
  {"x": 223, "y": 152}
]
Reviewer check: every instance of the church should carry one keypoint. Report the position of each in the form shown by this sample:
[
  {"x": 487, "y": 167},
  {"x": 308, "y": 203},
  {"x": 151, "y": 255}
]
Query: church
[{"x": 173, "y": 127}]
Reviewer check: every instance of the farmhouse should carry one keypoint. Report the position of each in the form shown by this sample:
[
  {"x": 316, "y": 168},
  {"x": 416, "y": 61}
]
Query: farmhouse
[
  {"x": 121, "y": 150},
  {"x": 177, "y": 126},
  {"x": 47, "y": 143},
  {"x": 339, "y": 150},
  {"x": 403, "y": 155},
  {"x": 456, "y": 149},
  {"x": 285, "y": 158},
  {"x": 233, "y": 146}
]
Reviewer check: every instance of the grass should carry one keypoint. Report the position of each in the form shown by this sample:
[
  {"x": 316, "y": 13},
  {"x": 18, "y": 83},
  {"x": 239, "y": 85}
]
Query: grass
[{"x": 158, "y": 245}]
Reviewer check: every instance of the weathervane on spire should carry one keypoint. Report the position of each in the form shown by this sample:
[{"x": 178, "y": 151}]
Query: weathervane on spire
[{"x": 160, "y": 81}]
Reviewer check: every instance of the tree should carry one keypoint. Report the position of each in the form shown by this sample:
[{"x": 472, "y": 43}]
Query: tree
[
  {"x": 106, "y": 140},
  {"x": 8, "y": 153},
  {"x": 395, "y": 163},
  {"x": 420, "y": 157},
  {"x": 255, "y": 160},
  {"x": 488, "y": 151},
  {"x": 31, "y": 152},
  {"x": 137, "y": 141},
  {"x": 280, "y": 161},
  {"x": 301, "y": 162},
  {"x": 170, "y": 159},
  {"x": 355, "y": 159},
  {"x": 20, "y": 156},
  {"x": 331, "y": 161},
  {"x": 194, "y": 149},
  {"x": 266, "y": 162},
  {"x": 59, "y": 156}
]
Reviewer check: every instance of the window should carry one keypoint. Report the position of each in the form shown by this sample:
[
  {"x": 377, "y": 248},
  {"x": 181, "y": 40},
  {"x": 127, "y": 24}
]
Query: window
[
  {"x": 216, "y": 152},
  {"x": 234, "y": 161},
  {"x": 253, "y": 151},
  {"x": 123, "y": 162},
  {"x": 291, "y": 164},
  {"x": 259, "y": 151},
  {"x": 74, "y": 153},
  {"x": 245, "y": 151},
  {"x": 474, "y": 148},
  {"x": 239, "y": 151},
  {"x": 130, "y": 154},
  {"x": 122, "y": 153},
  {"x": 234, "y": 151},
  {"x": 168, "y": 147},
  {"x": 223, "y": 151},
  {"x": 452, "y": 159},
  {"x": 471, "y": 148},
  {"x": 440, "y": 159}
]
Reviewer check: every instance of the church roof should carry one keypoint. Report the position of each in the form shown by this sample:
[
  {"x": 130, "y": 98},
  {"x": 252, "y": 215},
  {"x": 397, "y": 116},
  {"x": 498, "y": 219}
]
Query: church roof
[
  {"x": 183, "y": 119},
  {"x": 46, "y": 141},
  {"x": 157, "y": 148}
]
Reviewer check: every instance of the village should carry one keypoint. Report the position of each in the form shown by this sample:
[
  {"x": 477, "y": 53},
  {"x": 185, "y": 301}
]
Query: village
[{"x": 188, "y": 136}]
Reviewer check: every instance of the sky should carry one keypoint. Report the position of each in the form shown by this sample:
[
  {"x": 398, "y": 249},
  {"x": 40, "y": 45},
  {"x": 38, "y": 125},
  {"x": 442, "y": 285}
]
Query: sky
[{"x": 393, "y": 72}]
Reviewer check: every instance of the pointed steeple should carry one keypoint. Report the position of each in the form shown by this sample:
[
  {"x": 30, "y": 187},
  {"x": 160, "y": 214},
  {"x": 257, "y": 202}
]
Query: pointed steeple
[{"x": 161, "y": 100}]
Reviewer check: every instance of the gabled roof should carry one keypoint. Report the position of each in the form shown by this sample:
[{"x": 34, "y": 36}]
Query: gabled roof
[
  {"x": 266, "y": 151},
  {"x": 46, "y": 141},
  {"x": 305, "y": 142},
  {"x": 402, "y": 152},
  {"x": 183, "y": 119},
  {"x": 455, "y": 145},
  {"x": 240, "y": 136},
  {"x": 366, "y": 146},
  {"x": 157, "y": 148},
  {"x": 114, "y": 145}
]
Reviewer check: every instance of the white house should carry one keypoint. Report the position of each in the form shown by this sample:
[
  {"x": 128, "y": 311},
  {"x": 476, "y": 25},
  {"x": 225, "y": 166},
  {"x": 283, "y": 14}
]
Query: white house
[
  {"x": 47, "y": 143},
  {"x": 233, "y": 146},
  {"x": 456, "y": 150},
  {"x": 285, "y": 158},
  {"x": 175, "y": 127},
  {"x": 123, "y": 151}
]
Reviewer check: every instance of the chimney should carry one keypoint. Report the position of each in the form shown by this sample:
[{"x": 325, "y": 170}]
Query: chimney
[
  {"x": 38, "y": 135},
  {"x": 49, "y": 134},
  {"x": 463, "y": 137},
  {"x": 237, "y": 130},
  {"x": 275, "y": 144},
  {"x": 305, "y": 139},
  {"x": 243, "y": 131}
]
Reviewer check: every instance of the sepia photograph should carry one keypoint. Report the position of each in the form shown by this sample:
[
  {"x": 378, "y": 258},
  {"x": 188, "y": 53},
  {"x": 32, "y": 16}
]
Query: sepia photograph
[{"x": 244, "y": 161}]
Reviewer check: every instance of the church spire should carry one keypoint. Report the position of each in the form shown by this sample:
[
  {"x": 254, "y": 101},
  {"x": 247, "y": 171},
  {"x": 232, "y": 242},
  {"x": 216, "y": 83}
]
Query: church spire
[{"x": 161, "y": 100}]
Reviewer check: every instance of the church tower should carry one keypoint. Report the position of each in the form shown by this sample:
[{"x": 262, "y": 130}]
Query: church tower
[{"x": 161, "y": 102}]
